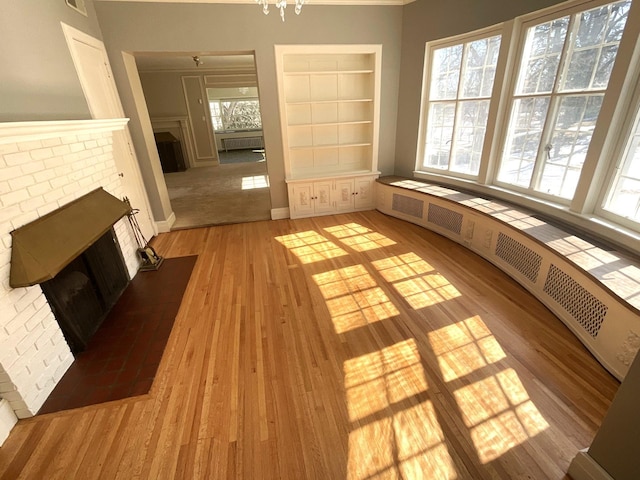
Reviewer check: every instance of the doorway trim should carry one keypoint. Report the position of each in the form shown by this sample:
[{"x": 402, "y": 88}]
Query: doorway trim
[{"x": 132, "y": 180}]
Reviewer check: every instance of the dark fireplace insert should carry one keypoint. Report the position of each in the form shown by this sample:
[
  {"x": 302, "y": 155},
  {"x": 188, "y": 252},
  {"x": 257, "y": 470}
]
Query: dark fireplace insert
[{"x": 82, "y": 293}]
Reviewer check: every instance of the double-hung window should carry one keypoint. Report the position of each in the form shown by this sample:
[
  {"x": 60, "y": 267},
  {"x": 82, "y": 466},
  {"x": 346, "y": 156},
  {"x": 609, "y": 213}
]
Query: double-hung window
[
  {"x": 235, "y": 114},
  {"x": 564, "y": 71},
  {"x": 461, "y": 77},
  {"x": 623, "y": 199}
]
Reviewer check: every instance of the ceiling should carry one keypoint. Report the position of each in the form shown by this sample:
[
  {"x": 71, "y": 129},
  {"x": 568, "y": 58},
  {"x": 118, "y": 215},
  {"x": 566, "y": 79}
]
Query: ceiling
[
  {"x": 184, "y": 61},
  {"x": 315, "y": 2}
]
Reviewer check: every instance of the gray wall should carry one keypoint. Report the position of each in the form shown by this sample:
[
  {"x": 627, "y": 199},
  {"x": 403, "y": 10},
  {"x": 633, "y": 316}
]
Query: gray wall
[
  {"x": 37, "y": 78},
  {"x": 427, "y": 20},
  {"x": 615, "y": 446},
  {"x": 142, "y": 27},
  {"x": 163, "y": 93}
]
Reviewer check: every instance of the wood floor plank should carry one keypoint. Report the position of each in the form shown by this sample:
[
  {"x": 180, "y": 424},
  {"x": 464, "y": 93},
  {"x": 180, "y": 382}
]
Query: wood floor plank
[{"x": 342, "y": 347}]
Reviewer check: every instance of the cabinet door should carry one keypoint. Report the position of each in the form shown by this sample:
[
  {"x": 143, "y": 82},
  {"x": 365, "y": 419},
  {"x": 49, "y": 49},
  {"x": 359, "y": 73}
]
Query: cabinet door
[
  {"x": 301, "y": 199},
  {"x": 344, "y": 194},
  {"x": 323, "y": 203},
  {"x": 364, "y": 193}
]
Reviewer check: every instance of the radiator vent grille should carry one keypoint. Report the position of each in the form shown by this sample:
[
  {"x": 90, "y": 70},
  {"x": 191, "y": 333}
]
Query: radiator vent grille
[
  {"x": 519, "y": 256},
  {"x": 241, "y": 143},
  {"x": 407, "y": 205},
  {"x": 445, "y": 218},
  {"x": 581, "y": 304}
]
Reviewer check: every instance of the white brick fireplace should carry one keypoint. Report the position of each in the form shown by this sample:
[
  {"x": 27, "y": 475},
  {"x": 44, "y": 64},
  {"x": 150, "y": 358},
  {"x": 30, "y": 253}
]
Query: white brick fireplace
[{"x": 44, "y": 165}]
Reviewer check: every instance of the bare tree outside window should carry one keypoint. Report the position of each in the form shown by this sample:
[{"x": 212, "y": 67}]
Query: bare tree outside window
[
  {"x": 561, "y": 84},
  {"x": 460, "y": 88},
  {"x": 242, "y": 114}
]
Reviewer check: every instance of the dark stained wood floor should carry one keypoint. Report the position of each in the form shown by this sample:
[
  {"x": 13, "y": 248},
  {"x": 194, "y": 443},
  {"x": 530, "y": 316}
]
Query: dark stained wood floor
[{"x": 341, "y": 347}]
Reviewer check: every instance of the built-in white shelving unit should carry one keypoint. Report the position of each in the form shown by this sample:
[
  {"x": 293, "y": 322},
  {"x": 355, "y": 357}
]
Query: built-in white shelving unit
[{"x": 329, "y": 108}]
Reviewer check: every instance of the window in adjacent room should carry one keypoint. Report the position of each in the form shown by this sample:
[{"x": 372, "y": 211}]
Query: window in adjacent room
[
  {"x": 461, "y": 77},
  {"x": 229, "y": 112}
]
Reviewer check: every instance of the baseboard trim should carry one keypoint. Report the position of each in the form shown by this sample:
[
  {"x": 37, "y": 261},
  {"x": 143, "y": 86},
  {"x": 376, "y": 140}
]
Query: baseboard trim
[
  {"x": 584, "y": 467},
  {"x": 206, "y": 163},
  {"x": 165, "y": 226},
  {"x": 279, "y": 213},
  {"x": 8, "y": 420}
]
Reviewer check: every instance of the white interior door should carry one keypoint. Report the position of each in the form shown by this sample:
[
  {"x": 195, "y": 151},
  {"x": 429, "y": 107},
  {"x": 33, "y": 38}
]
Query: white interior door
[{"x": 92, "y": 64}]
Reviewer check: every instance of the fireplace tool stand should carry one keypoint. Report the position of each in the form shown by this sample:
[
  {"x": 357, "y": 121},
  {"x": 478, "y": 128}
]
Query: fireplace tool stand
[{"x": 150, "y": 259}]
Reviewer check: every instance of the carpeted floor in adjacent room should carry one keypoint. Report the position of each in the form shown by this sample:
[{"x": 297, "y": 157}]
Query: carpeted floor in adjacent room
[{"x": 229, "y": 193}]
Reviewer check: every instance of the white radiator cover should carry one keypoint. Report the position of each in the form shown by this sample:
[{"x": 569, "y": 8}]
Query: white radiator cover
[
  {"x": 606, "y": 325},
  {"x": 241, "y": 143}
]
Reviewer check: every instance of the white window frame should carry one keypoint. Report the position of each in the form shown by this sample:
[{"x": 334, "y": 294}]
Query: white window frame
[
  {"x": 630, "y": 120},
  {"x": 234, "y": 99},
  {"x": 522, "y": 24},
  {"x": 607, "y": 144},
  {"x": 430, "y": 47}
]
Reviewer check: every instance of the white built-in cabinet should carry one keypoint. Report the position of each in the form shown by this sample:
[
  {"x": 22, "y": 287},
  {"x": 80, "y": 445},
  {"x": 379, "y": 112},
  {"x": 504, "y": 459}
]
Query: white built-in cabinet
[
  {"x": 329, "y": 108},
  {"x": 331, "y": 195}
]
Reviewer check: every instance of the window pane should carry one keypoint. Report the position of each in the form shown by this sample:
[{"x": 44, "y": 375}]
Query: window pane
[
  {"x": 570, "y": 138},
  {"x": 241, "y": 114},
  {"x": 439, "y": 135},
  {"x": 523, "y": 140},
  {"x": 541, "y": 56},
  {"x": 617, "y": 20},
  {"x": 596, "y": 44},
  {"x": 463, "y": 76},
  {"x": 480, "y": 67},
  {"x": 626, "y": 199},
  {"x": 625, "y": 193},
  {"x": 469, "y": 138},
  {"x": 216, "y": 115},
  {"x": 445, "y": 73}
]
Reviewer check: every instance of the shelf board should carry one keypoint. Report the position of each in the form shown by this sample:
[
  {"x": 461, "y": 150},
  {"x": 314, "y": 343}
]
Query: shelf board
[
  {"x": 318, "y": 147},
  {"x": 323, "y": 175},
  {"x": 346, "y": 100},
  {"x": 328, "y": 124},
  {"x": 328, "y": 72}
]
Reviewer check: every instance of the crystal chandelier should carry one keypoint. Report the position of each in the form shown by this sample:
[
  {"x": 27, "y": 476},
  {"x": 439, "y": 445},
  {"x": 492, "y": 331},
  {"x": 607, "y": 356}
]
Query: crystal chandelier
[{"x": 281, "y": 4}]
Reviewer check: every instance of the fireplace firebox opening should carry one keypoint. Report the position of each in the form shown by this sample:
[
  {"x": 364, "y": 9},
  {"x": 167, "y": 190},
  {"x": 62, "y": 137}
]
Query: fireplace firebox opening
[{"x": 82, "y": 294}]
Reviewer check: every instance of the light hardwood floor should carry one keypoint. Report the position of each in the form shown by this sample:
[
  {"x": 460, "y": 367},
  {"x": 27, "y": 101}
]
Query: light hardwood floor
[{"x": 342, "y": 347}]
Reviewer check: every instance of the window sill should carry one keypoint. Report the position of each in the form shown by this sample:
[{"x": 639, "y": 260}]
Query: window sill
[{"x": 590, "y": 224}]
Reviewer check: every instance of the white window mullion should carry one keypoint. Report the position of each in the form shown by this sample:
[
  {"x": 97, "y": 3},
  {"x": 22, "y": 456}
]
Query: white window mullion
[
  {"x": 546, "y": 140},
  {"x": 452, "y": 149}
]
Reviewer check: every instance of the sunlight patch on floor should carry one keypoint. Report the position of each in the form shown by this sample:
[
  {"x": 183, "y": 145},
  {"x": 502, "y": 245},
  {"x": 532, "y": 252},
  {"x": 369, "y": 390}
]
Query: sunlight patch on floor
[
  {"x": 418, "y": 283},
  {"x": 359, "y": 238},
  {"x": 256, "y": 181},
  {"x": 395, "y": 432},
  {"x": 499, "y": 414},
  {"x": 464, "y": 347},
  {"x": 353, "y": 298},
  {"x": 310, "y": 246}
]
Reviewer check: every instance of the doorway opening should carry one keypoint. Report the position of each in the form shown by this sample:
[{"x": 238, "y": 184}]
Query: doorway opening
[{"x": 206, "y": 121}]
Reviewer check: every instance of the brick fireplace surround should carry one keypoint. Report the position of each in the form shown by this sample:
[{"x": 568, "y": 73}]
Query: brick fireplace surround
[{"x": 44, "y": 165}]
